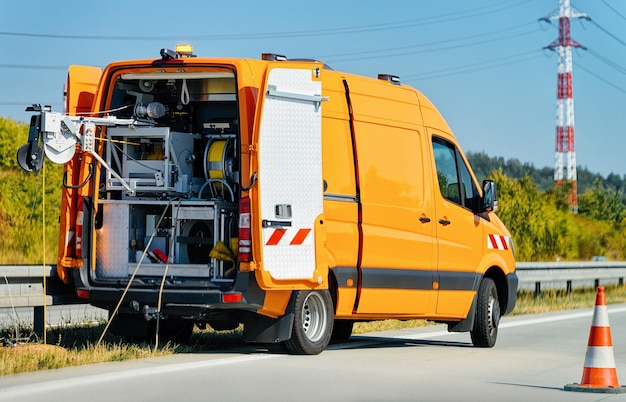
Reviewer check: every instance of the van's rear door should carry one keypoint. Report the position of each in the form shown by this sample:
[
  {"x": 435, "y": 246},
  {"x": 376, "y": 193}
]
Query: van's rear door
[
  {"x": 80, "y": 90},
  {"x": 82, "y": 83},
  {"x": 288, "y": 204}
]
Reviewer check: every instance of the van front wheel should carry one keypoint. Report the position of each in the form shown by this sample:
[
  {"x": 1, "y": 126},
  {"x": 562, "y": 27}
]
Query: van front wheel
[
  {"x": 313, "y": 322},
  {"x": 487, "y": 317}
]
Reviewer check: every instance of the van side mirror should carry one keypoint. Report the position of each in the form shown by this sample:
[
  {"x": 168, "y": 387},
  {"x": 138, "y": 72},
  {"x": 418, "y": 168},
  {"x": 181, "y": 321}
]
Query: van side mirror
[{"x": 490, "y": 197}]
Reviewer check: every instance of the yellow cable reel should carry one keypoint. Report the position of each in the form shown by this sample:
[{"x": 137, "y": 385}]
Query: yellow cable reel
[{"x": 219, "y": 159}]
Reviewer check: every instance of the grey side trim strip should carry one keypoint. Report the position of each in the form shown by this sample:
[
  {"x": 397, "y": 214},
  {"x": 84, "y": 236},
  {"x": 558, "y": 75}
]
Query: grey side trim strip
[
  {"x": 450, "y": 280},
  {"x": 414, "y": 279},
  {"x": 343, "y": 274},
  {"x": 390, "y": 278}
]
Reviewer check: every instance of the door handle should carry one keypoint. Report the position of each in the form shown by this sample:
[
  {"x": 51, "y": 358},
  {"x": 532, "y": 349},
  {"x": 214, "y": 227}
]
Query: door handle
[
  {"x": 444, "y": 222},
  {"x": 424, "y": 219},
  {"x": 274, "y": 224}
]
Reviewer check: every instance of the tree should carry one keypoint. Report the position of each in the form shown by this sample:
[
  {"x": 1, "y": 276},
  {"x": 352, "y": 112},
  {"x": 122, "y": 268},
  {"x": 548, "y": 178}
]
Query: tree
[
  {"x": 542, "y": 227},
  {"x": 12, "y": 135},
  {"x": 602, "y": 204}
]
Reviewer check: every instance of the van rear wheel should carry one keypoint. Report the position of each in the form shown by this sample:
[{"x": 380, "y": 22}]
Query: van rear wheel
[
  {"x": 313, "y": 322},
  {"x": 487, "y": 318}
]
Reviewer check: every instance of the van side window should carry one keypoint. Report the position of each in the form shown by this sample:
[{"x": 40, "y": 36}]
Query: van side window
[
  {"x": 447, "y": 173},
  {"x": 455, "y": 181}
]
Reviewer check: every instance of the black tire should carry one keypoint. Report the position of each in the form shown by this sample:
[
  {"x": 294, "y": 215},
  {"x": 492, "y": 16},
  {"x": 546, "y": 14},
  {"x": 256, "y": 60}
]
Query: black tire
[
  {"x": 313, "y": 322},
  {"x": 342, "y": 330},
  {"x": 487, "y": 318}
]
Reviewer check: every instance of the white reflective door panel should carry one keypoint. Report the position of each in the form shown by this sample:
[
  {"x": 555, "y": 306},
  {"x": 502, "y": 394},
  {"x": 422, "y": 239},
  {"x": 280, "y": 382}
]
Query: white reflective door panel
[{"x": 290, "y": 172}]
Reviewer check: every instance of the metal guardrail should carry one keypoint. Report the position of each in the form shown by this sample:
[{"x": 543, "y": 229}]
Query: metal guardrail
[
  {"x": 568, "y": 275},
  {"x": 22, "y": 285}
]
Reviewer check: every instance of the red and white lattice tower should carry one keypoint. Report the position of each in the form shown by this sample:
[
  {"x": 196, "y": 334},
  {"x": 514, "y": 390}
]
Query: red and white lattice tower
[{"x": 565, "y": 155}]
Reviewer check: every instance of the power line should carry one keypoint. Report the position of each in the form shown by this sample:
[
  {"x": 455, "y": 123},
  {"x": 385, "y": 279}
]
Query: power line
[
  {"x": 33, "y": 66},
  {"x": 608, "y": 33},
  {"x": 607, "y": 61},
  {"x": 26, "y": 104},
  {"x": 481, "y": 63},
  {"x": 601, "y": 78},
  {"x": 484, "y": 65},
  {"x": 471, "y": 13},
  {"x": 430, "y": 50},
  {"x": 614, "y": 10},
  {"x": 370, "y": 52}
]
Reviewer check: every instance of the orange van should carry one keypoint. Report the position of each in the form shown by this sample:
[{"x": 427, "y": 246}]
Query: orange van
[{"x": 278, "y": 194}]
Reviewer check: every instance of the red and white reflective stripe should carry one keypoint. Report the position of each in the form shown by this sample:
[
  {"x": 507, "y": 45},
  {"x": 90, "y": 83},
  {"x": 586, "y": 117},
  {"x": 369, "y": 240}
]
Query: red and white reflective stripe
[
  {"x": 292, "y": 237},
  {"x": 497, "y": 242}
]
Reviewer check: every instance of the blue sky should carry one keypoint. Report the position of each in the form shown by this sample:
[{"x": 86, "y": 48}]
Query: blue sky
[{"x": 481, "y": 62}]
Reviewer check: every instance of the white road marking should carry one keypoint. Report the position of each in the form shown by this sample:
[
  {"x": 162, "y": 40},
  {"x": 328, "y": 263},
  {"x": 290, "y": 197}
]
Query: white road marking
[
  {"x": 56, "y": 385},
  {"x": 571, "y": 316},
  {"x": 513, "y": 324},
  {"x": 48, "y": 386}
]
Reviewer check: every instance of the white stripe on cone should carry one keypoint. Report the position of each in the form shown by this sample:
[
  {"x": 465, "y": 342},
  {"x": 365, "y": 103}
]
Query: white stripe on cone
[
  {"x": 600, "y": 316},
  {"x": 599, "y": 357}
]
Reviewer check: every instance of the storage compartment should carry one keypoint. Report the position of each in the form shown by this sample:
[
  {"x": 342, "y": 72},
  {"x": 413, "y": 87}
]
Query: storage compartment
[
  {"x": 170, "y": 193},
  {"x": 145, "y": 236}
]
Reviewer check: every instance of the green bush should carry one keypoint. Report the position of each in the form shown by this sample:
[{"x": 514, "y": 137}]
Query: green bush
[{"x": 22, "y": 225}]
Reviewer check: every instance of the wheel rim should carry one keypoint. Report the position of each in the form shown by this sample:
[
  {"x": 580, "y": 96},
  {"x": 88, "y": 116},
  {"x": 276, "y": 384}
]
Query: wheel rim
[
  {"x": 493, "y": 313},
  {"x": 314, "y": 317}
]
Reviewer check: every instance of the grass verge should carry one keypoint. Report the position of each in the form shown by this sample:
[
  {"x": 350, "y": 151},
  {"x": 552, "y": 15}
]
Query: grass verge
[{"x": 73, "y": 345}]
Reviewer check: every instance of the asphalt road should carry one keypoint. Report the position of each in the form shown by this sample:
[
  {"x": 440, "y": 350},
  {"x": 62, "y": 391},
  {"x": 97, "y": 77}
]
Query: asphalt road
[{"x": 534, "y": 358}]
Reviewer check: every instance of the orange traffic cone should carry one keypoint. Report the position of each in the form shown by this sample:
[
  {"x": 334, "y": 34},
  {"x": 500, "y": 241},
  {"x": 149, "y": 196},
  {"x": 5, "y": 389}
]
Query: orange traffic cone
[{"x": 599, "y": 373}]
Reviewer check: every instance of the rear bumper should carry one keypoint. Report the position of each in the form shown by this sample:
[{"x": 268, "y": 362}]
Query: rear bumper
[
  {"x": 194, "y": 301},
  {"x": 197, "y": 304}
]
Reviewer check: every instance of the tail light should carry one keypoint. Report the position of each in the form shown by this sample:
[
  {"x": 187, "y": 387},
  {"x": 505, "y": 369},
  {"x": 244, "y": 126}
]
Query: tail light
[
  {"x": 245, "y": 234},
  {"x": 82, "y": 293},
  {"x": 79, "y": 227},
  {"x": 234, "y": 297}
]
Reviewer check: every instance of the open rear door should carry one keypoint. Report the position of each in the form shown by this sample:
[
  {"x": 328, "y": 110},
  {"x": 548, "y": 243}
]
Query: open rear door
[
  {"x": 82, "y": 83},
  {"x": 289, "y": 213},
  {"x": 80, "y": 90}
]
